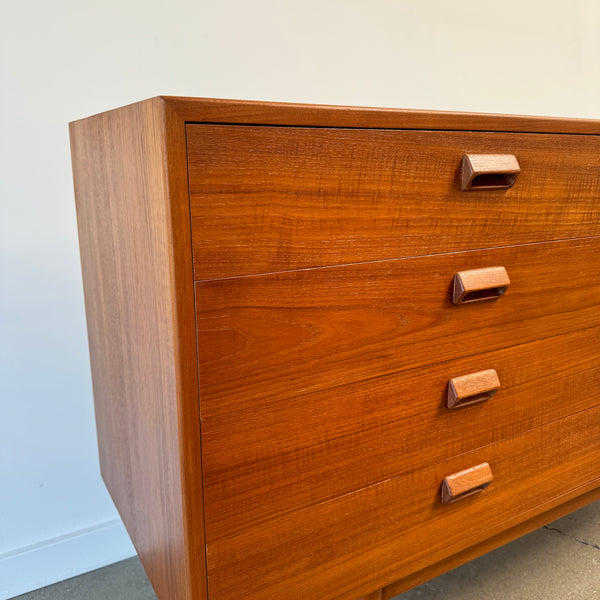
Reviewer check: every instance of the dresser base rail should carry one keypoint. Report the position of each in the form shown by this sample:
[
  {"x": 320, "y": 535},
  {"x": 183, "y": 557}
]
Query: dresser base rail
[{"x": 456, "y": 560}]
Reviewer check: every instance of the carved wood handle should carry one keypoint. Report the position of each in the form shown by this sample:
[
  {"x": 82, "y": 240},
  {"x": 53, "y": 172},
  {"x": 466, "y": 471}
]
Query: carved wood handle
[
  {"x": 466, "y": 483},
  {"x": 472, "y": 388},
  {"x": 479, "y": 284},
  {"x": 489, "y": 171}
]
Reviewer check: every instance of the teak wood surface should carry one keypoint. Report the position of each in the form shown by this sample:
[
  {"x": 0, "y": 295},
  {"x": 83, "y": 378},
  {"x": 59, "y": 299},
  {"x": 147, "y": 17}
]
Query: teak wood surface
[
  {"x": 133, "y": 220},
  {"x": 507, "y": 535},
  {"x": 272, "y": 337},
  {"x": 386, "y": 531},
  {"x": 477, "y": 285},
  {"x": 268, "y": 199},
  {"x": 471, "y": 388},
  {"x": 264, "y": 462},
  {"x": 489, "y": 171},
  {"x": 466, "y": 483},
  {"x": 284, "y": 272},
  {"x": 247, "y": 112},
  {"x": 378, "y": 595}
]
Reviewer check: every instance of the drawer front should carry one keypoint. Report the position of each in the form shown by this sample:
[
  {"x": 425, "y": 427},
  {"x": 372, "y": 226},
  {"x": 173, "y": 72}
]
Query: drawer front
[
  {"x": 265, "y": 339},
  {"x": 350, "y": 545},
  {"x": 259, "y": 464},
  {"x": 267, "y": 199}
]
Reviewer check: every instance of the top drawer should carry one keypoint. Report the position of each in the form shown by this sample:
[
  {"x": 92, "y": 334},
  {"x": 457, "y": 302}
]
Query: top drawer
[{"x": 267, "y": 199}]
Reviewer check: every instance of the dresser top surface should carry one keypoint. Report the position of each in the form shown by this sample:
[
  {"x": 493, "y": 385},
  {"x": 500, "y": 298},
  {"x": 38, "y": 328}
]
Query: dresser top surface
[{"x": 209, "y": 110}]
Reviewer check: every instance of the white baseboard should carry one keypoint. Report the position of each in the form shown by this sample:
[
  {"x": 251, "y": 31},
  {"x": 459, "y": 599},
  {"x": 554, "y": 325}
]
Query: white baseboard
[{"x": 30, "y": 568}]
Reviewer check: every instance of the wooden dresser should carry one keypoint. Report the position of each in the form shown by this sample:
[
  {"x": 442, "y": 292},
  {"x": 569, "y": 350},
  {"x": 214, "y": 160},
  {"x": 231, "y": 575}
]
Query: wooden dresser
[{"x": 337, "y": 351}]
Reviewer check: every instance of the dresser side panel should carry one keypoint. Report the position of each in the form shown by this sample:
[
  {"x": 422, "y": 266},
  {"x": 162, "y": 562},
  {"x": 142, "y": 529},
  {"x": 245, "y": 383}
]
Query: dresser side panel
[{"x": 136, "y": 305}]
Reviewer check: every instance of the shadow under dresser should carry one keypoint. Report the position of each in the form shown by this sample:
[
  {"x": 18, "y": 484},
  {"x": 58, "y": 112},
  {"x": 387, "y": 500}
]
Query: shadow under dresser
[{"x": 337, "y": 351}]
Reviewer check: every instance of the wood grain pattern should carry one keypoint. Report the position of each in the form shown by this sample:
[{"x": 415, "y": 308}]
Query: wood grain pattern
[
  {"x": 494, "y": 541},
  {"x": 350, "y": 545},
  {"x": 133, "y": 219},
  {"x": 489, "y": 171},
  {"x": 374, "y": 596},
  {"x": 477, "y": 285},
  {"x": 471, "y": 388},
  {"x": 325, "y": 437},
  {"x": 272, "y": 337},
  {"x": 276, "y": 458},
  {"x": 466, "y": 483},
  {"x": 269, "y": 199},
  {"x": 207, "y": 110}
]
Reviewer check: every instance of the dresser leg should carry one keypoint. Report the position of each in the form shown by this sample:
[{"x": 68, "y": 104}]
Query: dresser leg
[{"x": 374, "y": 596}]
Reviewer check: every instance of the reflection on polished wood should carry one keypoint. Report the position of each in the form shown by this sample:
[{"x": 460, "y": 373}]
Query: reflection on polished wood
[{"x": 283, "y": 301}]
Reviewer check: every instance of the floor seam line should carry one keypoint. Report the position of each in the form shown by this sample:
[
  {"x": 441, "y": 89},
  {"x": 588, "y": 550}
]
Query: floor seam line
[{"x": 584, "y": 542}]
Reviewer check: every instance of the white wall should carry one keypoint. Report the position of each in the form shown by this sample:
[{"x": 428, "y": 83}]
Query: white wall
[{"x": 67, "y": 59}]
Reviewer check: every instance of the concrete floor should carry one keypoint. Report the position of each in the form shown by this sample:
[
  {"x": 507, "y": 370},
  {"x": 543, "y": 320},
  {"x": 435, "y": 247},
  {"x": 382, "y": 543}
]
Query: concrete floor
[{"x": 558, "y": 562}]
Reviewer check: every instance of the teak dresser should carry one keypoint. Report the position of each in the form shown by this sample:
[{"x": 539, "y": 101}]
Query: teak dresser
[{"x": 337, "y": 351}]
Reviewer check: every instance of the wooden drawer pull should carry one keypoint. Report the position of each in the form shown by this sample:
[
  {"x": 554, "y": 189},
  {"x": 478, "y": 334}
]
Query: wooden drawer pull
[
  {"x": 479, "y": 284},
  {"x": 466, "y": 483},
  {"x": 489, "y": 171},
  {"x": 472, "y": 388}
]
